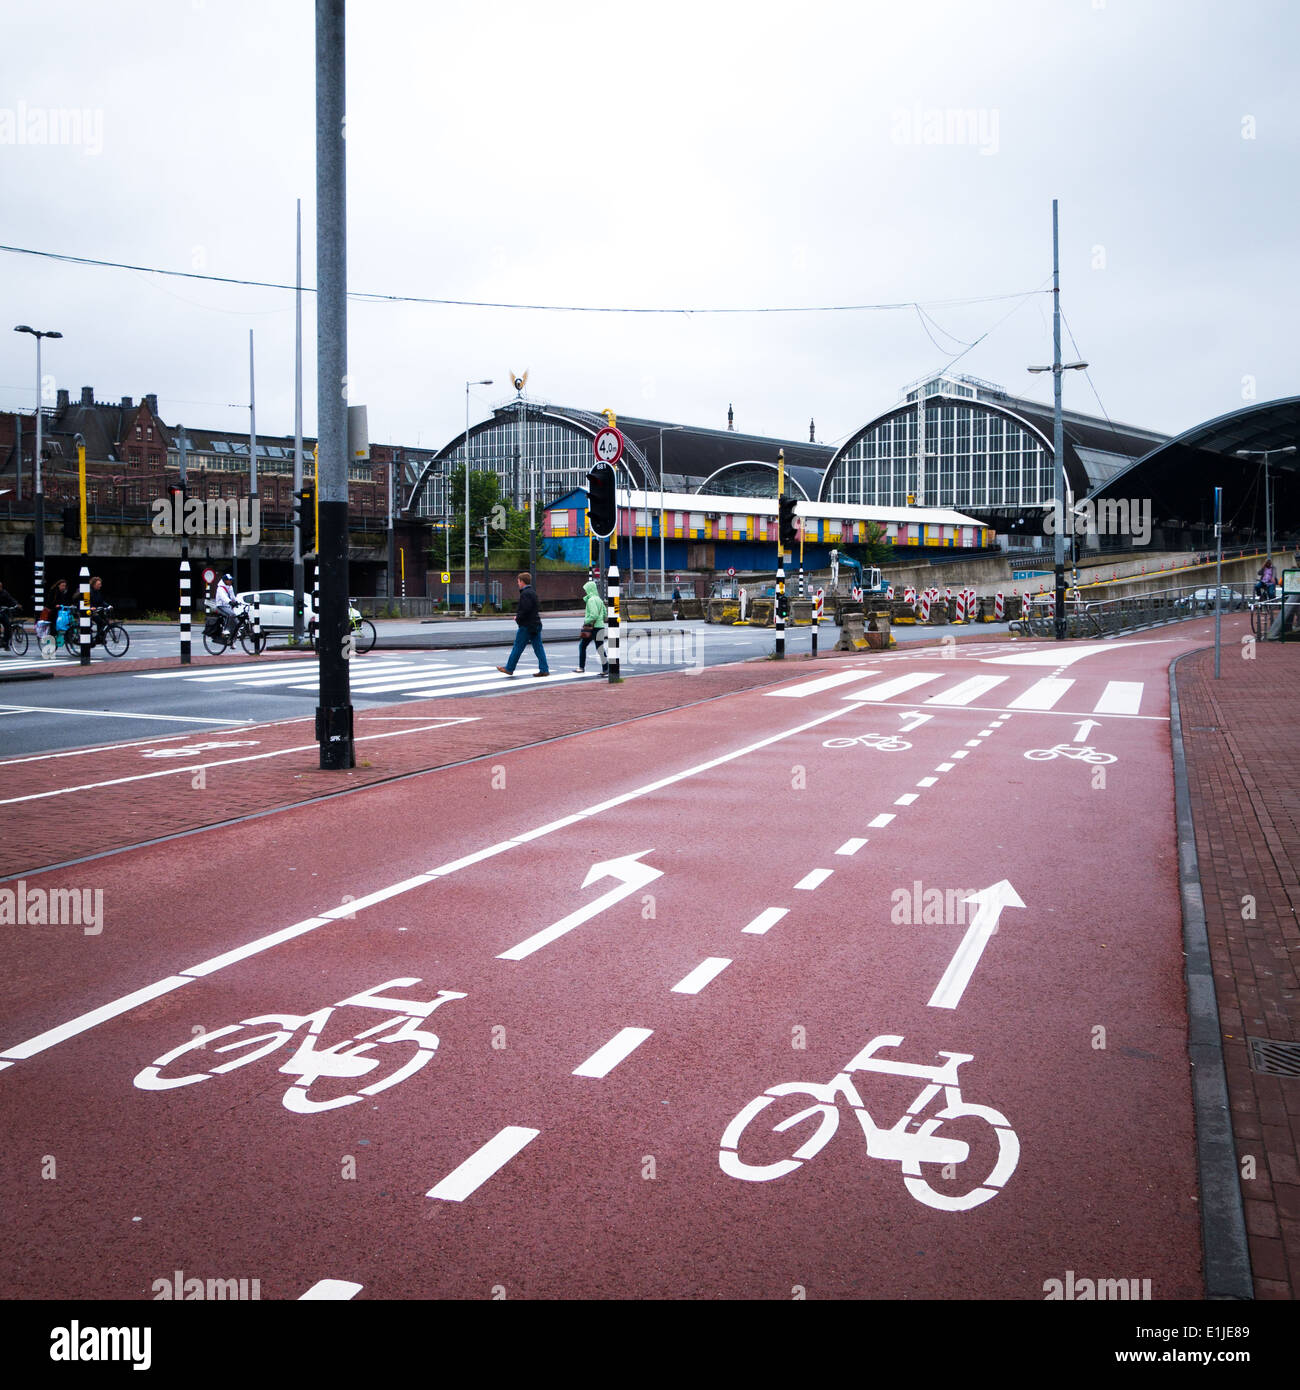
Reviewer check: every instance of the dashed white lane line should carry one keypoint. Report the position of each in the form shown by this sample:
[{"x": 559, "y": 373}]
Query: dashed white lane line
[
  {"x": 960, "y": 753},
  {"x": 906, "y": 799},
  {"x": 851, "y": 846},
  {"x": 945, "y": 767},
  {"x": 332, "y": 1289},
  {"x": 606, "y": 1058},
  {"x": 973, "y": 742},
  {"x": 927, "y": 781},
  {"x": 814, "y": 879},
  {"x": 707, "y": 970},
  {"x": 879, "y": 823},
  {"x": 766, "y": 920},
  {"x": 463, "y": 1181}
]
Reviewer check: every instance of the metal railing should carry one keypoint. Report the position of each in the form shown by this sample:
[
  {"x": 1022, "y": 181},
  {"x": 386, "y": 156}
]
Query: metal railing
[{"x": 1110, "y": 617}]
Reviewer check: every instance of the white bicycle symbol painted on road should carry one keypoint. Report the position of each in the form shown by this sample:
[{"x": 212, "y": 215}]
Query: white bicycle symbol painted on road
[
  {"x": 910, "y": 1148},
  {"x": 309, "y": 1062},
  {"x": 887, "y": 743},
  {"x": 1082, "y": 753},
  {"x": 185, "y": 750}
]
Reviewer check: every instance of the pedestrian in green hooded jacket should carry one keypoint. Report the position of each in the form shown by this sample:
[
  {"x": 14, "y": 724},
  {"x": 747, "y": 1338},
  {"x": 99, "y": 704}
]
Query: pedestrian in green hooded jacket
[{"x": 594, "y": 618}]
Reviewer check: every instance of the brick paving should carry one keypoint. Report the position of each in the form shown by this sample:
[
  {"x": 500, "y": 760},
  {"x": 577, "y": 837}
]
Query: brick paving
[{"x": 1241, "y": 739}]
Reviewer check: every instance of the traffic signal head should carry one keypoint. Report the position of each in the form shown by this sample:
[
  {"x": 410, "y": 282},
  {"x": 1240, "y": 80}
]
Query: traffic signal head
[
  {"x": 304, "y": 518},
  {"x": 71, "y": 524},
  {"x": 602, "y": 511},
  {"x": 787, "y": 530}
]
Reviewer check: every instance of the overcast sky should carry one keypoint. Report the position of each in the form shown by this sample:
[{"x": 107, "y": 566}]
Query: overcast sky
[{"x": 681, "y": 155}]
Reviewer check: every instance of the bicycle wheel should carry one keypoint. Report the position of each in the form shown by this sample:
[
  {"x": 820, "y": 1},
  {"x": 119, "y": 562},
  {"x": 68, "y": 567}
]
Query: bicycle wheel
[
  {"x": 116, "y": 640},
  {"x": 252, "y": 642},
  {"x": 1004, "y": 1160},
  {"x": 761, "y": 1146},
  {"x": 18, "y": 641},
  {"x": 72, "y": 642},
  {"x": 364, "y": 635},
  {"x": 214, "y": 646}
]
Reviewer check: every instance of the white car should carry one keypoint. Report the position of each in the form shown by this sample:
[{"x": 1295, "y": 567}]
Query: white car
[
  {"x": 1204, "y": 598},
  {"x": 276, "y": 607}
]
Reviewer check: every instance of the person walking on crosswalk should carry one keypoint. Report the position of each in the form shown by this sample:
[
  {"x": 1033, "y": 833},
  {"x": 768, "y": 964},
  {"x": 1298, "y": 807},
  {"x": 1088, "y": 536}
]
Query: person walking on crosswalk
[
  {"x": 594, "y": 619},
  {"x": 528, "y": 618}
]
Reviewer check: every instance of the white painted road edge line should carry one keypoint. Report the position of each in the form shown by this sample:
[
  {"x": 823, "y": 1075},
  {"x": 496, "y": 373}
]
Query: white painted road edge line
[
  {"x": 605, "y": 1059},
  {"x": 707, "y": 970},
  {"x": 479, "y": 1166},
  {"x": 119, "y": 714},
  {"x": 86, "y": 1021}
]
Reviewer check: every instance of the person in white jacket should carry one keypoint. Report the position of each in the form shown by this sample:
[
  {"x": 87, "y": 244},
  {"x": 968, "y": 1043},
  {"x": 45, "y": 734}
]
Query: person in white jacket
[{"x": 224, "y": 601}]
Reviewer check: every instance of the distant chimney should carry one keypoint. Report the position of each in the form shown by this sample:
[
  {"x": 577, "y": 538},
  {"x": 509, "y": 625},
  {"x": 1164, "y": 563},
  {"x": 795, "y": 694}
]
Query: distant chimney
[
  {"x": 88, "y": 395},
  {"x": 812, "y": 431},
  {"x": 731, "y": 418},
  {"x": 151, "y": 400},
  {"x": 126, "y": 402},
  {"x": 62, "y": 399}
]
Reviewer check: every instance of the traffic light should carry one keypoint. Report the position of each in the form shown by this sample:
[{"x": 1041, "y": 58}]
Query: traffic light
[
  {"x": 71, "y": 524},
  {"x": 304, "y": 518},
  {"x": 787, "y": 531},
  {"x": 602, "y": 506}
]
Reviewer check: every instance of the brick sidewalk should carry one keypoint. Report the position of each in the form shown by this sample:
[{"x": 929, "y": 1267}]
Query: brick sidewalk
[{"x": 1241, "y": 740}]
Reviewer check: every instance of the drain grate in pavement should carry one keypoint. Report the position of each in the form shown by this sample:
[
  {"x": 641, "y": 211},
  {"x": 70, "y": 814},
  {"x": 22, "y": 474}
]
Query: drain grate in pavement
[{"x": 1274, "y": 1058}]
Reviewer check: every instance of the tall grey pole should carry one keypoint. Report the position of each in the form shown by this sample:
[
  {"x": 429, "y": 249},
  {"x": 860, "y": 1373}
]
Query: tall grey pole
[
  {"x": 334, "y": 728},
  {"x": 392, "y": 539},
  {"x": 1058, "y": 430},
  {"x": 467, "y": 386},
  {"x": 1218, "y": 574},
  {"x": 298, "y": 577},
  {"x": 39, "y": 577},
  {"x": 186, "y": 597},
  {"x": 662, "y": 585},
  {"x": 255, "y": 551}
]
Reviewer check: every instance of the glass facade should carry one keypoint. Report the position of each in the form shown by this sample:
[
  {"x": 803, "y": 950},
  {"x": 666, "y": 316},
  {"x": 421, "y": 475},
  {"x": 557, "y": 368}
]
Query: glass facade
[
  {"x": 556, "y": 455},
  {"x": 974, "y": 457}
]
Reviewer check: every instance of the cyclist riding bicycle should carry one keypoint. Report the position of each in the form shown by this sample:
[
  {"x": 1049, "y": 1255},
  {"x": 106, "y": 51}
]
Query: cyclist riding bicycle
[
  {"x": 100, "y": 607},
  {"x": 224, "y": 602},
  {"x": 7, "y": 602}
]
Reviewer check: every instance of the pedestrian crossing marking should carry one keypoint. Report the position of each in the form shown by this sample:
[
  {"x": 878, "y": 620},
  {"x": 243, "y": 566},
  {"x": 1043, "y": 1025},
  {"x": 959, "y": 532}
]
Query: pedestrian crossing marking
[
  {"x": 898, "y": 686},
  {"x": 967, "y": 692},
  {"x": 1119, "y": 697}
]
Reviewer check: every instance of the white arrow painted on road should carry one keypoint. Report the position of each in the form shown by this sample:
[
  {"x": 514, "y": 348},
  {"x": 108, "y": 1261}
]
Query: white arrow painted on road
[
  {"x": 1085, "y": 728},
  {"x": 917, "y": 719},
  {"x": 627, "y": 868},
  {"x": 962, "y": 966}
]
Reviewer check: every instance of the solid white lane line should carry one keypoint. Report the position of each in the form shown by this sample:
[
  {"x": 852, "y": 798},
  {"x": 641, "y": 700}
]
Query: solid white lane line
[
  {"x": 461, "y": 1182},
  {"x": 814, "y": 879},
  {"x": 699, "y": 977},
  {"x": 128, "y": 1002},
  {"x": 851, "y": 846},
  {"x": 1120, "y": 697},
  {"x": 117, "y": 714},
  {"x": 606, "y": 1058},
  {"x": 966, "y": 691},
  {"x": 888, "y": 689},
  {"x": 815, "y": 687},
  {"x": 765, "y": 921},
  {"x": 332, "y": 1289}
]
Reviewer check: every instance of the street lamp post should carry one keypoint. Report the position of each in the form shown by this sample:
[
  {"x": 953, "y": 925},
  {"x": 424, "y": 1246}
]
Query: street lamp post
[
  {"x": 38, "y": 592},
  {"x": 468, "y": 384},
  {"x": 663, "y": 429},
  {"x": 1265, "y": 454},
  {"x": 1058, "y": 431}
]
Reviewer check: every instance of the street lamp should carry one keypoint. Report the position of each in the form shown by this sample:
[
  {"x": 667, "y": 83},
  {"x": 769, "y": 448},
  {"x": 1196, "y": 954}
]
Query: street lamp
[
  {"x": 39, "y": 585},
  {"x": 664, "y": 429},
  {"x": 468, "y": 384},
  {"x": 1268, "y": 501}
]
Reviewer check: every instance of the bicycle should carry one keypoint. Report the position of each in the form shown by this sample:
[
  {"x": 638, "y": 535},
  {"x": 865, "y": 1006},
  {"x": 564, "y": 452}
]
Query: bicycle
[
  {"x": 887, "y": 743},
  {"x": 62, "y": 632},
  {"x": 1083, "y": 753},
  {"x": 898, "y": 1143},
  {"x": 17, "y": 633},
  {"x": 106, "y": 632},
  {"x": 309, "y": 1063},
  {"x": 361, "y": 634},
  {"x": 217, "y": 639},
  {"x": 1263, "y": 612}
]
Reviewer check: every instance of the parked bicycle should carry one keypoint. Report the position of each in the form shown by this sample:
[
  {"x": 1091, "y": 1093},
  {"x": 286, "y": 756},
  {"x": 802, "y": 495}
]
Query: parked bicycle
[
  {"x": 217, "y": 638},
  {"x": 1263, "y": 614}
]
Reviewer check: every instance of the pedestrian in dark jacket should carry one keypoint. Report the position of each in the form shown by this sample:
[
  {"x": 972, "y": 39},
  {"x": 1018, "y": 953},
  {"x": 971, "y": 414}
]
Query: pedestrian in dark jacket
[{"x": 528, "y": 618}]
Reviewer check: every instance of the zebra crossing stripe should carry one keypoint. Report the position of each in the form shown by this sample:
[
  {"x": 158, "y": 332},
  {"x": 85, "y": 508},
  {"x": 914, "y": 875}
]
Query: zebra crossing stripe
[
  {"x": 1042, "y": 694},
  {"x": 1119, "y": 697},
  {"x": 967, "y": 691},
  {"x": 888, "y": 689},
  {"x": 815, "y": 687}
]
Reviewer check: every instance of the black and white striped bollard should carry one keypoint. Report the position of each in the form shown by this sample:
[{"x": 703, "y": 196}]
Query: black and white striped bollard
[
  {"x": 612, "y": 622},
  {"x": 39, "y": 596},
  {"x": 257, "y": 620},
  {"x": 84, "y": 585},
  {"x": 185, "y": 612},
  {"x": 780, "y": 608},
  {"x": 315, "y": 602}
]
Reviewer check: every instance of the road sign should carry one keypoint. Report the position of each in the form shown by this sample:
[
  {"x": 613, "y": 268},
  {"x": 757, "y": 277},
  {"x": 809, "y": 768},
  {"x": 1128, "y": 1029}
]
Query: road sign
[
  {"x": 209, "y": 576},
  {"x": 608, "y": 445},
  {"x": 731, "y": 574},
  {"x": 446, "y": 578}
]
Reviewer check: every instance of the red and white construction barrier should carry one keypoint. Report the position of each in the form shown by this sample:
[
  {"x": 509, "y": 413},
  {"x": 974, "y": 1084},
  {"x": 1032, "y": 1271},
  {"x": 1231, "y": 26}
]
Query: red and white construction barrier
[
  {"x": 909, "y": 595},
  {"x": 819, "y": 605},
  {"x": 960, "y": 616},
  {"x": 999, "y": 608},
  {"x": 889, "y": 594},
  {"x": 925, "y": 606}
]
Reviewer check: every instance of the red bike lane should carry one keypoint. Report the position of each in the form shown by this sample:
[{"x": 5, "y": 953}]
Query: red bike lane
[{"x": 761, "y": 928}]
